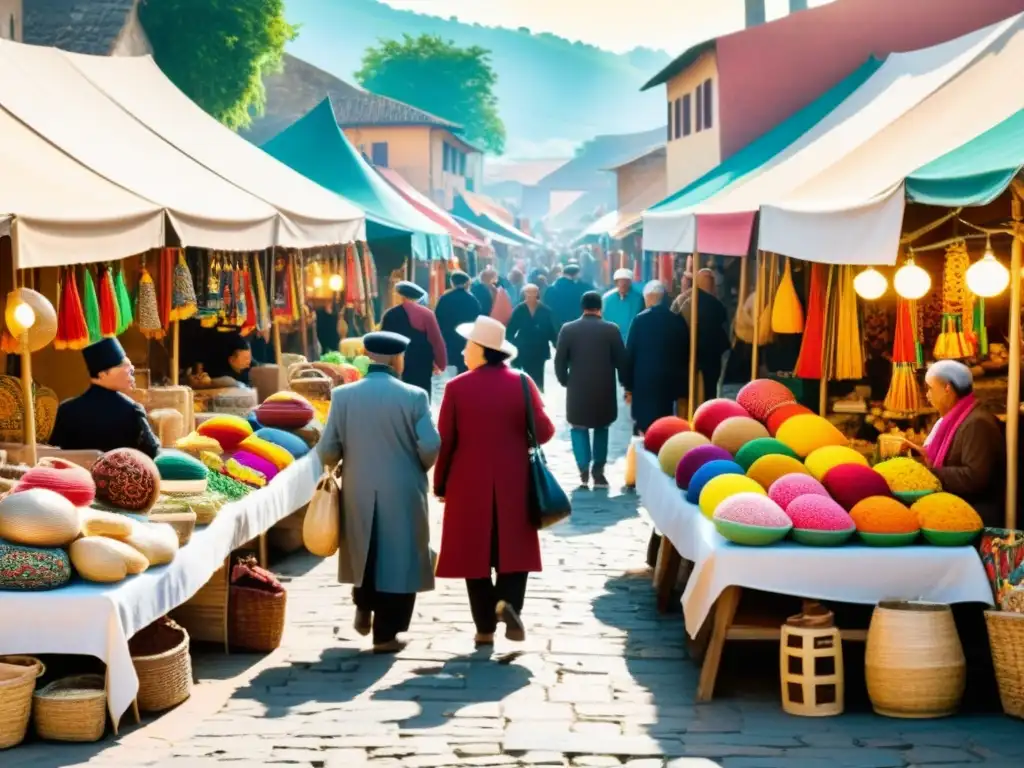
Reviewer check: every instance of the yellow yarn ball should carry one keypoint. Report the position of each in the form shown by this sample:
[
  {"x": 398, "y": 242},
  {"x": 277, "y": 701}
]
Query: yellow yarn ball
[
  {"x": 770, "y": 468},
  {"x": 676, "y": 447},
  {"x": 821, "y": 460},
  {"x": 806, "y": 432},
  {"x": 722, "y": 487}
]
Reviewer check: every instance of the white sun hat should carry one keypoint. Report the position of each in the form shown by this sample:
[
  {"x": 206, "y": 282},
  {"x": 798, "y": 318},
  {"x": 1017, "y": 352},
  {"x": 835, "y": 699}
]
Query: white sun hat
[
  {"x": 623, "y": 274},
  {"x": 488, "y": 333}
]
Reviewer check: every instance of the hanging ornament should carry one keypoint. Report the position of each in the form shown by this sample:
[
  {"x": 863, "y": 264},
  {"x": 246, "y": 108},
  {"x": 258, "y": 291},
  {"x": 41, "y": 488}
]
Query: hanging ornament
[
  {"x": 870, "y": 284},
  {"x": 283, "y": 309},
  {"x": 165, "y": 284},
  {"x": 904, "y": 394},
  {"x": 72, "y": 331},
  {"x": 262, "y": 308},
  {"x": 147, "y": 309},
  {"x": 952, "y": 344},
  {"x": 92, "y": 309},
  {"x": 987, "y": 277},
  {"x": 910, "y": 281},
  {"x": 808, "y": 364},
  {"x": 250, "y": 322},
  {"x": 124, "y": 302},
  {"x": 787, "y": 314},
  {"x": 109, "y": 321},
  {"x": 183, "y": 291}
]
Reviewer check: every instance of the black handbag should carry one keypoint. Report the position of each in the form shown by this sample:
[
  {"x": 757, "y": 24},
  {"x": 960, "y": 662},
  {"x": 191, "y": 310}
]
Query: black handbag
[{"x": 547, "y": 502}]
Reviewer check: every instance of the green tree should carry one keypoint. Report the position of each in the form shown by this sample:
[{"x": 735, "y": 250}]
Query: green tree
[
  {"x": 217, "y": 51},
  {"x": 438, "y": 76}
]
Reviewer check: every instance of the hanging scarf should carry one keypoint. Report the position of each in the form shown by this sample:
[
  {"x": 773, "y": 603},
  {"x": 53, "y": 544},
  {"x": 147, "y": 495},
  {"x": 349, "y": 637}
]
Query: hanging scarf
[
  {"x": 109, "y": 320},
  {"x": 283, "y": 307},
  {"x": 940, "y": 439},
  {"x": 262, "y": 311}
]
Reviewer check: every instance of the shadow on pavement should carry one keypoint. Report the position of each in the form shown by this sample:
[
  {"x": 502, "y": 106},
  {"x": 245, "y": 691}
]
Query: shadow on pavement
[{"x": 595, "y": 510}]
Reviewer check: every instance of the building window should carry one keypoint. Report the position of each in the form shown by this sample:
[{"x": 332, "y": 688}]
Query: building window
[
  {"x": 462, "y": 163},
  {"x": 687, "y": 125},
  {"x": 679, "y": 121},
  {"x": 13, "y": 28},
  {"x": 708, "y": 103},
  {"x": 445, "y": 162},
  {"x": 379, "y": 152},
  {"x": 671, "y": 110},
  {"x": 699, "y": 93}
]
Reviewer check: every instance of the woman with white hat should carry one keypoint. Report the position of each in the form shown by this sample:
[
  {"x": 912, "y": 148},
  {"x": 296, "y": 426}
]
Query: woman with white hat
[{"x": 482, "y": 476}]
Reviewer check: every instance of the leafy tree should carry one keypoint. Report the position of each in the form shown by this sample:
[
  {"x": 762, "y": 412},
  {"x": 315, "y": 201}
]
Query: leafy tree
[
  {"x": 438, "y": 76},
  {"x": 217, "y": 51}
]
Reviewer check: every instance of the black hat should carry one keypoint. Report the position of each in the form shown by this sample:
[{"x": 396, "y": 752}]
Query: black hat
[
  {"x": 459, "y": 278},
  {"x": 385, "y": 343},
  {"x": 571, "y": 270},
  {"x": 102, "y": 356},
  {"x": 409, "y": 290}
]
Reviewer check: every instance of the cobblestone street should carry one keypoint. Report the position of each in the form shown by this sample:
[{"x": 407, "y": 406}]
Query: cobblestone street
[{"x": 602, "y": 680}]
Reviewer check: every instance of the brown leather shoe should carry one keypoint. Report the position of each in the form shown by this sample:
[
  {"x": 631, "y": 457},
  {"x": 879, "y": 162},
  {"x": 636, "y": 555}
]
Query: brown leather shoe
[
  {"x": 515, "y": 630},
  {"x": 363, "y": 622}
]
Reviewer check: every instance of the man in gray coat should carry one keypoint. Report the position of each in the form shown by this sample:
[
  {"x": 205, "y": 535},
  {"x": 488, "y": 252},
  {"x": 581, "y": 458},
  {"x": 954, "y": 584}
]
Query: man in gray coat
[
  {"x": 381, "y": 430},
  {"x": 588, "y": 357}
]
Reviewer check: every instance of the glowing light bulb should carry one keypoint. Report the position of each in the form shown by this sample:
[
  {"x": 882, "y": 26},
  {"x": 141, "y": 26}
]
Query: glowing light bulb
[
  {"x": 24, "y": 316},
  {"x": 334, "y": 283},
  {"x": 870, "y": 284},
  {"x": 318, "y": 282},
  {"x": 987, "y": 277},
  {"x": 910, "y": 281}
]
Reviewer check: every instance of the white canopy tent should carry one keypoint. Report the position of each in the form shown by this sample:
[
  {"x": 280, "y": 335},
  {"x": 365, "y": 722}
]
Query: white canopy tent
[{"x": 311, "y": 215}]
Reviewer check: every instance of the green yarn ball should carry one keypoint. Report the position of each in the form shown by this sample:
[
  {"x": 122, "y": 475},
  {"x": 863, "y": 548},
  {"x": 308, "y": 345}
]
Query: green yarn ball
[{"x": 759, "y": 447}]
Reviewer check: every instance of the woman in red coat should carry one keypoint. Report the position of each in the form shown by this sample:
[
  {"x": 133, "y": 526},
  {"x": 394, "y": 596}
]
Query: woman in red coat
[{"x": 482, "y": 474}]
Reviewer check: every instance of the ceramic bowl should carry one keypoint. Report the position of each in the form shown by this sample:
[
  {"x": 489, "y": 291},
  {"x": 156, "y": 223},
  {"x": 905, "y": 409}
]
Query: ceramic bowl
[
  {"x": 909, "y": 497},
  {"x": 888, "y": 539},
  {"x": 815, "y": 538},
  {"x": 750, "y": 535},
  {"x": 950, "y": 538}
]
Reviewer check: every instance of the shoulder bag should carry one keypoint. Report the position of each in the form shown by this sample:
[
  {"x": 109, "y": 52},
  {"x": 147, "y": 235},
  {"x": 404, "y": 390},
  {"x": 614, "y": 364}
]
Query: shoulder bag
[{"x": 547, "y": 502}]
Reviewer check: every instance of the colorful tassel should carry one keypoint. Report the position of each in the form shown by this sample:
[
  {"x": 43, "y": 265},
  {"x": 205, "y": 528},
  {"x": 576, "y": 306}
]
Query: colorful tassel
[
  {"x": 72, "y": 330},
  {"x": 183, "y": 291},
  {"x": 262, "y": 310},
  {"x": 92, "y": 309},
  {"x": 124, "y": 302},
  {"x": 808, "y": 364},
  {"x": 109, "y": 320},
  {"x": 147, "y": 308}
]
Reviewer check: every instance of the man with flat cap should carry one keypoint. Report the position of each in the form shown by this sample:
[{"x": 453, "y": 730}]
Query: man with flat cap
[
  {"x": 103, "y": 417},
  {"x": 414, "y": 320},
  {"x": 456, "y": 307},
  {"x": 381, "y": 430}
]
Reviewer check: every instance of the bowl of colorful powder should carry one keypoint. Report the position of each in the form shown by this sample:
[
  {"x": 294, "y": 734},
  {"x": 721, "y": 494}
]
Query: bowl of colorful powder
[
  {"x": 904, "y": 475},
  {"x": 818, "y": 521},
  {"x": 884, "y": 522},
  {"x": 751, "y": 519},
  {"x": 947, "y": 520}
]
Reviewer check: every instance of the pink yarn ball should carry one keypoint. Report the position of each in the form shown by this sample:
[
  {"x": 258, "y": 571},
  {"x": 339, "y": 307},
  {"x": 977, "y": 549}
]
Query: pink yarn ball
[
  {"x": 789, "y": 487},
  {"x": 813, "y": 512},
  {"x": 752, "y": 509},
  {"x": 761, "y": 396},
  {"x": 712, "y": 413},
  {"x": 696, "y": 458}
]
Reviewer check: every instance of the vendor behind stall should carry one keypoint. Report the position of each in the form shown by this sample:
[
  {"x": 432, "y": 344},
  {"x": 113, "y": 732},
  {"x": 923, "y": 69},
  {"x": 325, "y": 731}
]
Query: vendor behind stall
[
  {"x": 229, "y": 361},
  {"x": 965, "y": 448},
  {"x": 104, "y": 417}
]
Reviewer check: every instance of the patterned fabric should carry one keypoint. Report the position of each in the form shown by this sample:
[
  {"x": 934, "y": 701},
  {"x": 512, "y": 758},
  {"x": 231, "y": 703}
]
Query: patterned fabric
[
  {"x": 126, "y": 479},
  {"x": 1002, "y": 554},
  {"x": 147, "y": 310},
  {"x": 31, "y": 568}
]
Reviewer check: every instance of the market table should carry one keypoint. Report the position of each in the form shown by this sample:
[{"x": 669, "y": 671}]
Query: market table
[
  {"x": 98, "y": 619},
  {"x": 852, "y": 573}
]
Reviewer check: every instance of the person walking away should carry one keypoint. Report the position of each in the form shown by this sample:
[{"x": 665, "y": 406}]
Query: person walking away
[
  {"x": 712, "y": 320},
  {"x": 589, "y": 356},
  {"x": 426, "y": 354},
  {"x": 622, "y": 303},
  {"x": 516, "y": 283},
  {"x": 381, "y": 430},
  {"x": 563, "y": 296},
  {"x": 532, "y": 330},
  {"x": 482, "y": 478},
  {"x": 455, "y": 307},
  {"x": 485, "y": 289},
  {"x": 657, "y": 360}
]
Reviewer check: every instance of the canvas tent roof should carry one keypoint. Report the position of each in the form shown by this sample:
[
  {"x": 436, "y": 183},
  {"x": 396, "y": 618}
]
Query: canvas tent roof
[
  {"x": 459, "y": 234},
  {"x": 311, "y": 215},
  {"x": 487, "y": 221},
  {"x": 317, "y": 148},
  {"x": 488, "y": 235}
]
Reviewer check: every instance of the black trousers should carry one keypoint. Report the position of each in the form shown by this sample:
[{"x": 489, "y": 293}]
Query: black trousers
[
  {"x": 484, "y": 594},
  {"x": 392, "y": 611},
  {"x": 711, "y": 372},
  {"x": 535, "y": 370}
]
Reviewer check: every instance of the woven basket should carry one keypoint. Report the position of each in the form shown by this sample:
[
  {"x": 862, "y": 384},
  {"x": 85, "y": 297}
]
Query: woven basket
[
  {"x": 16, "y": 697},
  {"x": 161, "y": 659},
  {"x": 71, "y": 709},
  {"x": 183, "y": 523},
  {"x": 256, "y": 618},
  {"x": 1006, "y": 640},
  {"x": 312, "y": 384}
]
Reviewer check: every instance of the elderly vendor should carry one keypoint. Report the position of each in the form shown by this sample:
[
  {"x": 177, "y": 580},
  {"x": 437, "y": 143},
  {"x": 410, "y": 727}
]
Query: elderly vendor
[
  {"x": 426, "y": 353},
  {"x": 230, "y": 361},
  {"x": 104, "y": 417},
  {"x": 965, "y": 448}
]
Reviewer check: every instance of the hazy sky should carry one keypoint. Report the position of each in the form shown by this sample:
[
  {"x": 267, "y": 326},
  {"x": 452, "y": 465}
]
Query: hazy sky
[{"x": 673, "y": 25}]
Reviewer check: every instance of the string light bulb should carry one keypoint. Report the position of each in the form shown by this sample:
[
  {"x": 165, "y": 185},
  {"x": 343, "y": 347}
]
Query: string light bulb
[
  {"x": 24, "y": 316},
  {"x": 334, "y": 283},
  {"x": 911, "y": 281},
  {"x": 987, "y": 277},
  {"x": 870, "y": 284},
  {"x": 318, "y": 282}
]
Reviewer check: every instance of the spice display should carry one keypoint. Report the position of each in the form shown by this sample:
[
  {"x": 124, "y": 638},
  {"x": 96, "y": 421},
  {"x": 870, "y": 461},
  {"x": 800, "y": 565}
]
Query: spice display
[
  {"x": 720, "y": 488},
  {"x": 821, "y": 460},
  {"x": 760, "y": 447},
  {"x": 952, "y": 343},
  {"x": 713, "y": 412},
  {"x": 814, "y": 512},
  {"x": 695, "y": 459},
  {"x": 707, "y": 473},
  {"x": 946, "y": 512},
  {"x": 883, "y": 514},
  {"x": 849, "y": 484},
  {"x": 735, "y": 432},
  {"x": 808, "y": 364},
  {"x": 767, "y": 469},
  {"x": 752, "y": 509},
  {"x": 780, "y": 415},
  {"x": 807, "y": 432},
  {"x": 904, "y": 474}
]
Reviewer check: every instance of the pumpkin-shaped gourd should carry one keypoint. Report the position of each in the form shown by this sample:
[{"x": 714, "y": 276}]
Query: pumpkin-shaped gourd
[{"x": 38, "y": 518}]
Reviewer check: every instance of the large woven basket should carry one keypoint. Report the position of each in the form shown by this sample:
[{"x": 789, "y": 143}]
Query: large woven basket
[
  {"x": 256, "y": 618},
  {"x": 160, "y": 655},
  {"x": 18, "y": 676},
  {"x": 71, "y": 709},
  {"x": 1006, "y": 640}
]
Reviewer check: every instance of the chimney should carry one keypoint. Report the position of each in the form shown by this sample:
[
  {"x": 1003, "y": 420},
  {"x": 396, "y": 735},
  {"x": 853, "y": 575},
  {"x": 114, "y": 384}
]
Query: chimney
[
  {"x": 755, "y": 12},
  {"x": 797, "y": 5}
]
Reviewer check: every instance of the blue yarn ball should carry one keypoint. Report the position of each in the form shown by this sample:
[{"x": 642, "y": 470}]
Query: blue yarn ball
[
  {"x": 294, "y": 444},
  {"x": 251, "y": 418},
  {"x": 708, "y": 472}
]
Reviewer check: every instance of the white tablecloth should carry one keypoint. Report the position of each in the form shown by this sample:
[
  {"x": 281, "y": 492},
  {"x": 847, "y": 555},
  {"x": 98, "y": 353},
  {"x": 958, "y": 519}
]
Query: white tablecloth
[
  {"x": 850, "y": 574},
  {"x": 97, "y": 619}
]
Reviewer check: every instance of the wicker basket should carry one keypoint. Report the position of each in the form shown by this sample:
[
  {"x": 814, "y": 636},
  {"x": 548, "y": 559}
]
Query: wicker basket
[
  {"x": 71, "y": 709},
  {"x": 183, "y": 523},
  {"x": 16, "y": 698},
  {"x": 1006, "y": 640},
  {"x": 256, "y": 618},
  {"x": 161, "y": 659}
]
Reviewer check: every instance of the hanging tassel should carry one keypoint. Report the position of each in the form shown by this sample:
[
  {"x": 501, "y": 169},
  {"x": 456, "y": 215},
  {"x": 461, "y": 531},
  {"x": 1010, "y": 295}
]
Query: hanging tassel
[
  {"x": 980, "y": 329},
  {"x": 124, "y": 302},
  {"x": 72, "y": 331},
  {"x": 262, "y": 311},
  {"x": 109, "y": 320},
  {"x": 250, "y": 323},
  {"x": 808, "y": 364},
  {"x": 904, "y": 394},
  {"x": 293, "y": 275},
  {"x": 92, "y": 309},
  {"x": 147, "y": 308},
  {"x": 183, "y": 291}
]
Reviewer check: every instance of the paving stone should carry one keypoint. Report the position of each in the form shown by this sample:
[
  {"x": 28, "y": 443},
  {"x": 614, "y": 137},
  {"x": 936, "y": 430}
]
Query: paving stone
[{"x": 936, "y": 755}]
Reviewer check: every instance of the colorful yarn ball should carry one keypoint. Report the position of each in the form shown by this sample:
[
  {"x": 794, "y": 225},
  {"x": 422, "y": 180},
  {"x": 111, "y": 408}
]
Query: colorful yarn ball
[
  {"x": 782, "y": 414},
  {"x": 676, "y": 447},
  {"x": 661, "y": 430},
  {"x": 720, "y": 488},
  {"x": 273, "y": 453},
  {"x": 807, "y": 432},
  {"x": 126, "y": 479},
  {"x": 695, "y": 459},
  {"x": 946, "y": 512},
  {"x": 227, "y": 430},
  {"x": 285, "y": 410},
  {"x": 850, "y": 483},
  {"x": 761, "y": 396},
  {"x": 883, "y": 514},
  {"x": 736, "y": 431},
  {"x": 71, "y": 481},
  {"x": 789, "y": 487},
  {"x": 813, "y": 512},
  {"x": 707, "y": 473},
  {"x": 821, "y": 460},
  {"x": 761, "y": 446},
  {"x": 770, "y": 468},
  {"x": 752, "y": 509},
  {"x": 252, "y": 461},
  {"x": 905, "y": 474},
  {"x": 294, "y": 444},
  {"x": 180, "y": 473},
  {"x": 712, "y": 413}
]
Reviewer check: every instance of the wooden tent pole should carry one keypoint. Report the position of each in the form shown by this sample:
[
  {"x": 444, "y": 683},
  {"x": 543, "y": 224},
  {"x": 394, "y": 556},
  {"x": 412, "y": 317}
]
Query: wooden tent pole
[
  {"x": 694, "y": 291},
  {"x": 29, "y": 435},
  {"x": 175, "y": 351},
  {"x": 744, "y": 282},
  {"x": 823, "y": 380},
  {"x": 1013, "y": 378},
  {"x": 757, "y": 315},
  {"x": 300, "y": 269}
]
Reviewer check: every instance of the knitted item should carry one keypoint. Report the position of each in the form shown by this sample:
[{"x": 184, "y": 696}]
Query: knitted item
[
  {"x": 285, "y": 410},
  {"x": 275, "y": 454},
  {"x": 180, "y": 473},
  {"x": 228, "y": 431},
  {"x": 294, "y": 444},
  {"x": 31, "y": 568},
  {"x": 71, "y": 481},
  {"x": 126, "y": 479},
  {"x": 146, "y": 308}
]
